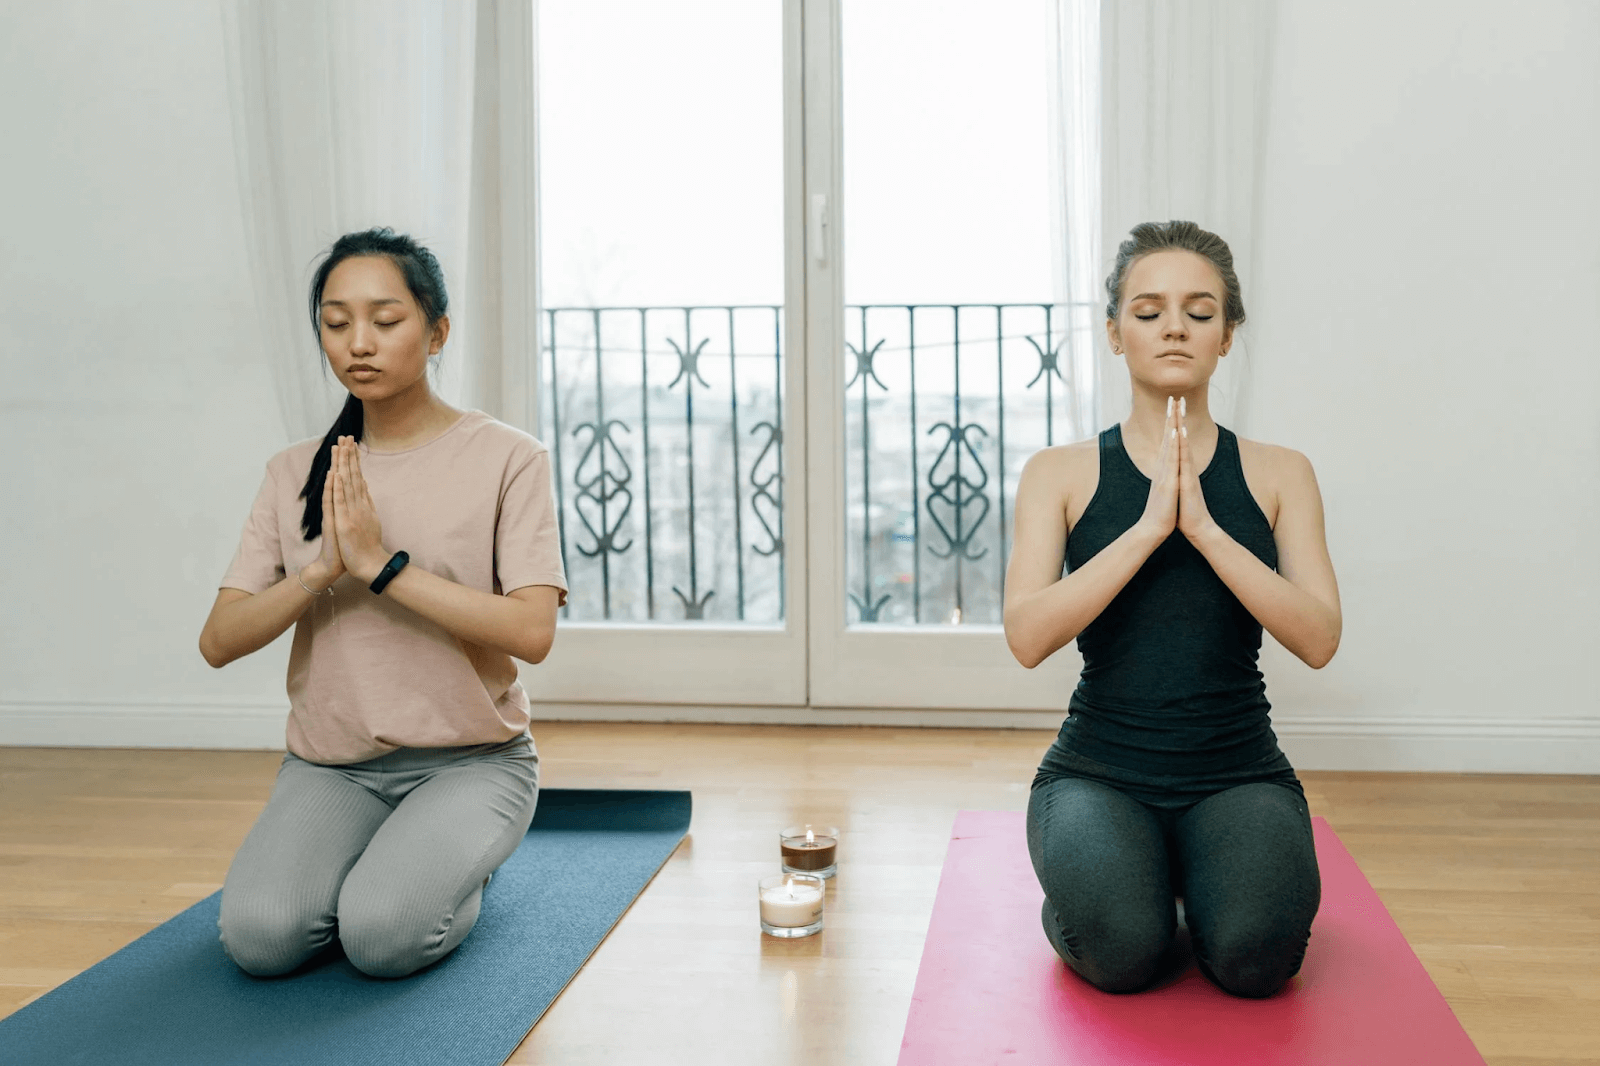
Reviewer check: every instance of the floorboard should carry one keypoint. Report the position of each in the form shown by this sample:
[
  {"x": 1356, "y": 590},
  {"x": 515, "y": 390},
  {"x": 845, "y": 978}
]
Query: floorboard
[{"x": 1495, "y": 880}]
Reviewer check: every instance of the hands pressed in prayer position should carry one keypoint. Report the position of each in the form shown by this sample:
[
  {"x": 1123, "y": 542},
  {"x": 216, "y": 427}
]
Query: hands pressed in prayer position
[
  {"x": 355, "y": 518},
  {"x": 1176, "y": 500}
]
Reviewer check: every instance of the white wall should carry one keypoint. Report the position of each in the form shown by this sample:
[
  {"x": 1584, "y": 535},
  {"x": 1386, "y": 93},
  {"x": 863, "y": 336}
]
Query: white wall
[
  {"x": 1425, "y": 329},
  {"x": 137, "y": 410}
]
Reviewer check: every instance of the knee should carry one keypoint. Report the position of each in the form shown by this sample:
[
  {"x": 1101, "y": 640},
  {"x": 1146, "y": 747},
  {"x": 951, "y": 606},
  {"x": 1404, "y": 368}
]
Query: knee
[
  {"x": 1125, "y": 967},
  {"x": 265, "y": 941},
  {"x": 395, "y": 936},
  {"x": 1252, "y": 967},
  {"x": 1115, "y": 954},
  {"x": 383, "y": 941}
]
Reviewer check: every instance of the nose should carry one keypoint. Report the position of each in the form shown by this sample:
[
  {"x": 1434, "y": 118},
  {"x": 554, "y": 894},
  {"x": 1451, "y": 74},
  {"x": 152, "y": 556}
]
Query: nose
[
  {"x": 363, "y": 338},
  {"x": 1175, "y": 328}
]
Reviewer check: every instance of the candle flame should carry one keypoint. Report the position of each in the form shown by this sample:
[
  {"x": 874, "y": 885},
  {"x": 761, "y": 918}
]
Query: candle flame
[
  {"x": 788, "y": 887},
  {"x": 811, "y": 838}
]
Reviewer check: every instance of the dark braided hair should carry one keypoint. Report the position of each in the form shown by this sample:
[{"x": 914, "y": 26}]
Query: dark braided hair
[{"x": 426, "y": 282}]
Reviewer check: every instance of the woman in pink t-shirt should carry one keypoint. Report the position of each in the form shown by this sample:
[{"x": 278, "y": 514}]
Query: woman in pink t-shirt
[{"x": 432, "y": 536}]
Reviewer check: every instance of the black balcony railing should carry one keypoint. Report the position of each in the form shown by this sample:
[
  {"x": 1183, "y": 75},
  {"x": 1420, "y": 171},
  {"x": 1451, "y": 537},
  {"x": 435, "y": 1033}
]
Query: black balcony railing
[{"x": 666, "y": 427}]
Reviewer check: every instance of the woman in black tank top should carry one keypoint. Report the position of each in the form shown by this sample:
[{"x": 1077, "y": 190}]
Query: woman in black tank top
[{"x": 1166, "y": 779}]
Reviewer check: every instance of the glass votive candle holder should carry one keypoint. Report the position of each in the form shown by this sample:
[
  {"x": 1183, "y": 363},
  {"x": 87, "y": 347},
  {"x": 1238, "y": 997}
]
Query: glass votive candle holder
[
  {"x": 791, "y": 904},
  {"x": 810, "y": 849}
]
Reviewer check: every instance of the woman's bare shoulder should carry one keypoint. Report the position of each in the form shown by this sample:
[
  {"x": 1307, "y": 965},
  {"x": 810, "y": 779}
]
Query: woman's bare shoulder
[
  {"x": 1271, "y": 471},
  {"x": 1269, "y": 458},
  {"x": 1062, "y": 460},
  {"x": 1261, "y": 447},
  {"x": 1066, "y": 470}
]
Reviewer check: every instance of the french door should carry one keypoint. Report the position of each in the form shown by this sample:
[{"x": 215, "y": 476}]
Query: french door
[{"x": 798, "y": 340}]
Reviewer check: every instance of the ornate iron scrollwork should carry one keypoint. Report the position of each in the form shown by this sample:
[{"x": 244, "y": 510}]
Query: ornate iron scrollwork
[
  {"x": 958, "y": 492},
  {"x": 602, "y": 476},
  {"x": 761, "y": 488},
  {"x": 864, "y": 364},
  {"x": 693, "y": 610},
  {"x": 1047, "y": 362},
  {"x": 689, "y": 362},
  {"x": 869, "y": 612}
]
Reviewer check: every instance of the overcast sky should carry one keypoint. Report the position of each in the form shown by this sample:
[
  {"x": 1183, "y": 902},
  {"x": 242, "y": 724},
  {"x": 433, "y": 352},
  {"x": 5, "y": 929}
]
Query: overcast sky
[{"x": 661, "y": 148}]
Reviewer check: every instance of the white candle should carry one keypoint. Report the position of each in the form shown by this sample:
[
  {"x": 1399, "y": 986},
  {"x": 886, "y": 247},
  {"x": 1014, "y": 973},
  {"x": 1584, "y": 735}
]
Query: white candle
[{"x": 791, "y": 905}]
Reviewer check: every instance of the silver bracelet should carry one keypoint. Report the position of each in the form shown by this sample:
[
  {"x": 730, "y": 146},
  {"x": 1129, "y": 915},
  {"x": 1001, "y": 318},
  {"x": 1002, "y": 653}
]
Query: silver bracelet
[{"x": 314, "y": 592}]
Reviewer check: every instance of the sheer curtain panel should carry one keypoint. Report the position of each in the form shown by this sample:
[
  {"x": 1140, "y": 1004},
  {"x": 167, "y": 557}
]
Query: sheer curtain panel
[
  {"x": 1076, "y": 165},
  {"x": 415, "y": 114},
  {"x": 1183, "y": 112}
]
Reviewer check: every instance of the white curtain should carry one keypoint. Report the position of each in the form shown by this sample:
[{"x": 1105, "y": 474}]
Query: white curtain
[
  {"x": 1182, "y": 92},
  {"x": 1075, "y": 162},
  {"x": 414, "y": 114}
]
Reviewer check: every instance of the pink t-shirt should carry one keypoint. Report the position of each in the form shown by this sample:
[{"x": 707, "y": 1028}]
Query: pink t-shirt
[{"x": 475, "y": 505}]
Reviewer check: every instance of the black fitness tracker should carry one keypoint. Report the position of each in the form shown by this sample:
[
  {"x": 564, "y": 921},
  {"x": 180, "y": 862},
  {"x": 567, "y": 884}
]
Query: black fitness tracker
[{"x": 397, "y": 562}]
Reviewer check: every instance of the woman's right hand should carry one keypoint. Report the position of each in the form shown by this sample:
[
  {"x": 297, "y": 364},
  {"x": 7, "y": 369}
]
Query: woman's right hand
[
  {"x": 1161, "y": 507},
  {"x": 329, "y": 564}
]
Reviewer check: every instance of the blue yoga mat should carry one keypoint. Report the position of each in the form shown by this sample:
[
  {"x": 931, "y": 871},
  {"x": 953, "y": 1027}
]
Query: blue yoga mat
[{"x": 172, "y": 998}]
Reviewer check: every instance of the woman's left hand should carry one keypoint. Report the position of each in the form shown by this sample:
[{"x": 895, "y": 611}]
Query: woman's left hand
[
  {"x": 355, "y": 517},
  {"x": 1194, "y": 519}
]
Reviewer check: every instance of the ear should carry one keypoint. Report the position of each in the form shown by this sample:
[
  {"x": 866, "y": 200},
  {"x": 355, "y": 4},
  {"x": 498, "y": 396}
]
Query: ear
[
  {"x": 1113, "y": 335},
  {"x": 1227, "y": 337},
  {"x": 441, "y": 333}
]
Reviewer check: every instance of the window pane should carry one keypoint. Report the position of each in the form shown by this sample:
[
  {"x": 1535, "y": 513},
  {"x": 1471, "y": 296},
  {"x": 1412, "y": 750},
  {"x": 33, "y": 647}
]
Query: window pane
[
  {"x": 661, "y": 233},
  {"x": 955, "y": 361}
]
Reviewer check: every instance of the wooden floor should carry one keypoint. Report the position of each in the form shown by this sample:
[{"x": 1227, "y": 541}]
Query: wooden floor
[{"x": 1495, "y": 880}]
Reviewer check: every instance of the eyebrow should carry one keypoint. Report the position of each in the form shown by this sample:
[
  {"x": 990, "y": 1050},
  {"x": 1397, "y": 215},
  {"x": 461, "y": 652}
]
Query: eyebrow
[
  {"x": 1160, "y": 296},
  {"x": 373, "y": 303}
]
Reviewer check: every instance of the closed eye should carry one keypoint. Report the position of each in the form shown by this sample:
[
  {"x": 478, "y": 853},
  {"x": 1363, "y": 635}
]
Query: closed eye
[{"x": 1152, "y": 318}]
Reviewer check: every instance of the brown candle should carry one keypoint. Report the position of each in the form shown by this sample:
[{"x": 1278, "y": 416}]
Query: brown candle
[{"x": 809, "y": 848}]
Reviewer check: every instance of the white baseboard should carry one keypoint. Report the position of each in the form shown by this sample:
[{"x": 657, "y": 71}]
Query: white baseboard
[
  {"x": 1532, "y": 745},
  {"x": 143, "y": 725},
  {"x": 912, "y": 718}
]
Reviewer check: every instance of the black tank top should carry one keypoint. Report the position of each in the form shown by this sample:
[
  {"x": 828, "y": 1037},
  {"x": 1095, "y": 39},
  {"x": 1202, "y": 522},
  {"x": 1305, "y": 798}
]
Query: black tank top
[{"x": 1170, "y": 683}]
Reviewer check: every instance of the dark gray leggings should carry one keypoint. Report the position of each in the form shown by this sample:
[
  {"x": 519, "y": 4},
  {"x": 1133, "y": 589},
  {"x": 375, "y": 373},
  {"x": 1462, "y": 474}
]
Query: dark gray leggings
[{"x": 1112, "y": 867}]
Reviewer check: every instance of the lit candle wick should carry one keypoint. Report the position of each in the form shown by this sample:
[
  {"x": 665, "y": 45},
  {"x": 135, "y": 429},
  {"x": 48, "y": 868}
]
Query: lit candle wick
[
  {"x": 788, "y": 887},
  {"x": 811, "y": 838}
]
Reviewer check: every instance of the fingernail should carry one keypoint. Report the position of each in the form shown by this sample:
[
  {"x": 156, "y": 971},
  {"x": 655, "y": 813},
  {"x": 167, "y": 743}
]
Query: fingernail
[
  {"x": 1169, "y": 406},
  {"x": 1185, "y": 432}
]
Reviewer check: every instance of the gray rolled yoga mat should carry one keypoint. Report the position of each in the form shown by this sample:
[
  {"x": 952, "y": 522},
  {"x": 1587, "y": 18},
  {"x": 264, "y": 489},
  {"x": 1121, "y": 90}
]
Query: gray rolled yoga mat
[{"x": 171, "y": 998}]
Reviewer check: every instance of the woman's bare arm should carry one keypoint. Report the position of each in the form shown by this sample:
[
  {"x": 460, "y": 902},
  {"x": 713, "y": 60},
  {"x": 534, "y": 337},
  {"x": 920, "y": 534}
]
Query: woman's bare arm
[
  {"x": 1298, "y": 605},
  {"x": 1045, "y": 611},
  {"x": 241, "y": 623},
  {"x": 521, "y": 623}
]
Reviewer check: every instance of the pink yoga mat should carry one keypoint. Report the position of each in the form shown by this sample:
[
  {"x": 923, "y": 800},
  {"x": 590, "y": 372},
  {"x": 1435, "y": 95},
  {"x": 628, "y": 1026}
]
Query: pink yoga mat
[{"x": 991, "y": 989}]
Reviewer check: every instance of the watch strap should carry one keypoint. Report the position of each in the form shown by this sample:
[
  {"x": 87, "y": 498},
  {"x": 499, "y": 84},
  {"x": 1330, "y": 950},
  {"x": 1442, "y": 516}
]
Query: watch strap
[{"x": 397, "y": 562}]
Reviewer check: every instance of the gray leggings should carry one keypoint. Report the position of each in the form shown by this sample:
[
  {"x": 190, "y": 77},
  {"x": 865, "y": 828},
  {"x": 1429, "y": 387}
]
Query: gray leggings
[
  {"x": 389, "y": 855},
  {"x": 1111, "y": 867}
]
